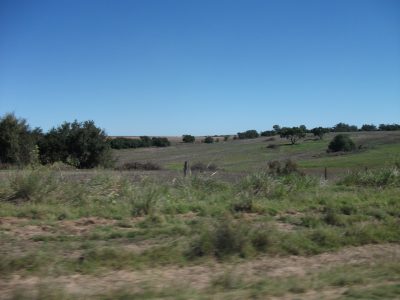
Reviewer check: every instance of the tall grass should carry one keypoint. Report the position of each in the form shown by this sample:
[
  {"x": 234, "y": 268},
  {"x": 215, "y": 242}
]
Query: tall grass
[{"x": 380, "y": 178}]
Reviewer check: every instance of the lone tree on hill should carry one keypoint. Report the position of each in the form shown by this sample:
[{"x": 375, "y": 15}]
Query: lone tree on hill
[
  {"x": 293, "y": 134},
  {"x": 320, "y": 132}
]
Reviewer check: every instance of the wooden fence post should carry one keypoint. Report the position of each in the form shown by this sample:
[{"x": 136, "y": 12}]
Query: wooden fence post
[
  {"x": 326, "y": 173},
  {"x": 186, "y": 169}
]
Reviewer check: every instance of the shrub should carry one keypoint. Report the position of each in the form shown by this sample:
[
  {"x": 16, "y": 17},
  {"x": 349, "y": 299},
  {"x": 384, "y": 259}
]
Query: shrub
[
  {"x": 224, "y": 237},
  {"x": 160, "y": 142},
  {"x": 32, "y": 185},
  {"x": 341, "y": 142},
  {"x": 208, "y": 140},
  {"x": 273, "y": 146},
  {"x": 380, "y": 178},
  {"x": 145, "y": 202},
  {"x": 187, "y": 138},
  {"x": 125, "y": 143},
  {"x": 279, "y": 168},
  {"x": 202, "y": 167}
]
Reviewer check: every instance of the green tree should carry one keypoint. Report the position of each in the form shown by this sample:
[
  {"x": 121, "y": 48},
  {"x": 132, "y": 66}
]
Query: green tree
[
  {"x": 319, "y": 132},
  {"x": 187, "y": 138},
  {"x": 249, "y": 134},
  {"x": 369, "y": 127},
  {"x": 17, "y": 140},
  {"x": 81, "y": 144},
  {"x": 292, "y": 133}
]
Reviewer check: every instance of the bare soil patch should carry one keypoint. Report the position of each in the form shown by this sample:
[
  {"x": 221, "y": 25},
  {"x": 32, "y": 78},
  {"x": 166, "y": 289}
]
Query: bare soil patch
[{"x": 200, "y": 277}]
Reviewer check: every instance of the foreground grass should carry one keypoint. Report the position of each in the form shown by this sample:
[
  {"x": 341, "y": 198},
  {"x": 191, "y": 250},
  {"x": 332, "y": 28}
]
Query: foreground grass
[{"x": 55, "y": 227}]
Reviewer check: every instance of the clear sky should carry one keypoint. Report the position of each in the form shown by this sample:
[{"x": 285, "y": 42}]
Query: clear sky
[{"x": 172, "y": 67}]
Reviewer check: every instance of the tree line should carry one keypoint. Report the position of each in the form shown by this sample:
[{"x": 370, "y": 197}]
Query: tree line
[{"x": 84, "y": 145}]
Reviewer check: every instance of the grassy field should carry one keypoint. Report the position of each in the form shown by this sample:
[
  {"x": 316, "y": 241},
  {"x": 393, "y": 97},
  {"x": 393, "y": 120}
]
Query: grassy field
[
  {"x": 377, "y": 149},
  {"x": 101, "y": 235}
]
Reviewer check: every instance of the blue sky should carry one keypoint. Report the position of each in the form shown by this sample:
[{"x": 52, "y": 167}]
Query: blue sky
[{"x": 201, "y": 67}]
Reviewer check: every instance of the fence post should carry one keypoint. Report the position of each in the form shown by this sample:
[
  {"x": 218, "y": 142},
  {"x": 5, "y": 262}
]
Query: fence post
[
  {"x": 326, "y": 173},
  {"x": 186, "y": 169}
]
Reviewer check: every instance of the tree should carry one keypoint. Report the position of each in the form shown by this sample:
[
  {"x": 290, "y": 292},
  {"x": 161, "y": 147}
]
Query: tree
[
  {"x": 17, "y": 140},
  {"x": 80, "y": 144},
  {"x": 303, "y": 128},
  {"x": 268, "y": 133},
  {"x": 293, "y": 134},
  {"x": 209, "y": 140},
  {"x": 341, "y": 142},
  {"x": 368, "y": 127},
  {"x": 343, "y": 127},
  {"x": 160, "y": 142},
  {"x": 187, "y": 138},
  {"x": 277, "y": 128},
  {"x": 249, "y": 134},
  {"x": 389, "y": 127},
  {"x": 319, "y": 132}
]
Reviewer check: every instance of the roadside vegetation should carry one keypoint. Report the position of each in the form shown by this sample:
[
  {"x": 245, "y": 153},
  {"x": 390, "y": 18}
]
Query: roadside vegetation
[{"x": 53, "y": 227}]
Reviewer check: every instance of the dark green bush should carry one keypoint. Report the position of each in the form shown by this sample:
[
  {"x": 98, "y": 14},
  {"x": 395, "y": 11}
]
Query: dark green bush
[
  {"x": 187, "y": 138},
  {"x": 125, "y": 143},
  {"x": 160, "y": 142},
  {"x": 80, "y": 144},
  {"x": 341, "y": 142},
  {"x": 208, "y": 140},
  {"x": 249, "y": 134},
  {"x": 343, "y": 127}
]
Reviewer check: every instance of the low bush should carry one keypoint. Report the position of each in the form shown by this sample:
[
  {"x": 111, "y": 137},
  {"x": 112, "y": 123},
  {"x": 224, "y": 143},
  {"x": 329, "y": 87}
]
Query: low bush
[
  {"x": 273, "y": 146},
  {"x": 380, "y": 178},
  {"x": 139, "y": 166},
  {"x": 187, "y": 138},
  {"x": 279, "y": 168},
  {"x": 125, "y": 143},
  {"x": 202, "y": 167},
  {"x": 160, "y": 142},
  {"x": 208, "y": 140}
]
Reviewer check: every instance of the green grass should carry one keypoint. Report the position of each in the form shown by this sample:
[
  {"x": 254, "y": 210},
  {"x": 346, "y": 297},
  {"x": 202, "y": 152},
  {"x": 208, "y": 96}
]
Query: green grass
[{"x": 58, "y": 227}]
